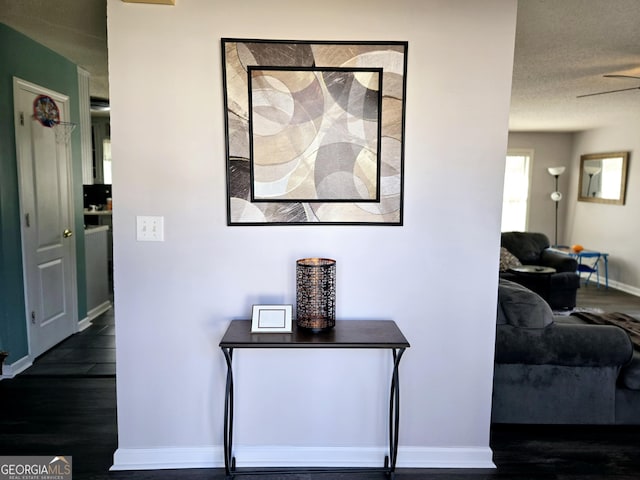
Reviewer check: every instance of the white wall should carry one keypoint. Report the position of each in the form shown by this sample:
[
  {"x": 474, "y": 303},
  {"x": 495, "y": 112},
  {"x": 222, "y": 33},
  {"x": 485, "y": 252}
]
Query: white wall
[
  {"x": 436, "y": 276},
  {"x": 610, "y": 228},
  {"x": 550, "y": 150}
]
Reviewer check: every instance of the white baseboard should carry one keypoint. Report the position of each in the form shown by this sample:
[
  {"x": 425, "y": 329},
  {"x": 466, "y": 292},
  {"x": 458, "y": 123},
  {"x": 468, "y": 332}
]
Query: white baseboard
[
  {"x": 621, "y": 286},
  {"x": 167, "y": 458},
  {"x": 19, "y": 366},
  {"x": 253, "y": 457},
  {"x": 84, "y": 324},
  {"x": 92, "y": 314},
  {"x": 445, "y": 457},
  {"x": 95, "y": 312}
]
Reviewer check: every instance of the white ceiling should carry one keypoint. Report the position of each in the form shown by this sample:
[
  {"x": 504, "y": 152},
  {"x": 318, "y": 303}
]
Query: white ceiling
[
  {"x": 563, "y": 49},
  {"x": 76, "y": 29}
]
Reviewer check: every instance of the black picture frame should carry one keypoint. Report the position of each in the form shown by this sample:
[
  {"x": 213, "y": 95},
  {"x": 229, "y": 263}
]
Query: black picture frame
[{"x": 314, "y": 131}]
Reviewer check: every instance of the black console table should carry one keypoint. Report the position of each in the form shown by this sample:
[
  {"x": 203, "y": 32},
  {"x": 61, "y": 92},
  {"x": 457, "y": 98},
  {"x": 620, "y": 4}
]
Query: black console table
[{"x": 353, "y": 334}]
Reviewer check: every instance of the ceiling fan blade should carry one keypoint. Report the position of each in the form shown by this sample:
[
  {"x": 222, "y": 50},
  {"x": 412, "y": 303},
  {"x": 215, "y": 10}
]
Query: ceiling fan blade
[
  {"x": 621, "y": 76},
  {"x": 608, "y": 91}
]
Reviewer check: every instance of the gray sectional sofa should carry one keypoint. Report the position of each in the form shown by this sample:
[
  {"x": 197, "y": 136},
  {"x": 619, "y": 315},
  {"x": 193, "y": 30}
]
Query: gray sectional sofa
[{"x": 560, "y": 370}]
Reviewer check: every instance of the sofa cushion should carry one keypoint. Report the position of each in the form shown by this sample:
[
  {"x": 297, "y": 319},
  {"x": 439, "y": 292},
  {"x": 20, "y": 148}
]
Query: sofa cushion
[
  {"x": 520, "y": 307},
  {"x": 563, "y": 343},
  {"x": 527, "y": 246},
  {"x": 630, "y": 373},
  {"x": 508, "y": 260},
  {"x": 559, "y": 261}
]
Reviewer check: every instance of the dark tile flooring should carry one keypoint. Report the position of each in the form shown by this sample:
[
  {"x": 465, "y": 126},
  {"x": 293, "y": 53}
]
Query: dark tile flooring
[
  {"x": 65, "y": 405},
  {"x": 90, "y": 353}
]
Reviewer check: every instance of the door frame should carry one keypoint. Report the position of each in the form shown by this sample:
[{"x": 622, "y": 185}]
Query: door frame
[{"x": 63, "y": 105}]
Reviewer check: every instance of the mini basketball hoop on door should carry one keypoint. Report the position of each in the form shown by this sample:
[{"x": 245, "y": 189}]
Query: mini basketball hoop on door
[
  {"x": 63, "y": 131},
  {"x": 46, "y": 111}
]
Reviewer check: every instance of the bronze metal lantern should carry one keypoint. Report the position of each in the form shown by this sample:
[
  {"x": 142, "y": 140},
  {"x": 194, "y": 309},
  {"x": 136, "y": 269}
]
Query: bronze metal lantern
[{"x": 316, "y": 293}]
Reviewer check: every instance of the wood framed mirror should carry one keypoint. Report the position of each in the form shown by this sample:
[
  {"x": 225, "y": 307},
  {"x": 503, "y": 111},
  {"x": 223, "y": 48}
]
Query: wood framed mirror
[{"x": 603, "y": 177}]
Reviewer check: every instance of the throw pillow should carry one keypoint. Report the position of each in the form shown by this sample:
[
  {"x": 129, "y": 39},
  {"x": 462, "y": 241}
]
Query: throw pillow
[
  {"x": 508, "y": 260},
  {"x": 520, "y": 307}
]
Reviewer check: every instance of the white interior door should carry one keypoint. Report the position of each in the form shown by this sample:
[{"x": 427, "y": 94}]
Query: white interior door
[{"x": 48, "y": 245}]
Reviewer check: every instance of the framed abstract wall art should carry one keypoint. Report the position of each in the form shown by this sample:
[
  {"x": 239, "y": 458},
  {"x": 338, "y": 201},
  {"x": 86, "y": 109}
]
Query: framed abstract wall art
[{"x": 314, "y": 131}]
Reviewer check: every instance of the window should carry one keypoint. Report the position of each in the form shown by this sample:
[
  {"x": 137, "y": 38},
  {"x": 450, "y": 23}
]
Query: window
[
  {"x": 106, "y": 161},
  {"x": 515, "y": 200},
  {"x": 610, "y": 178}
]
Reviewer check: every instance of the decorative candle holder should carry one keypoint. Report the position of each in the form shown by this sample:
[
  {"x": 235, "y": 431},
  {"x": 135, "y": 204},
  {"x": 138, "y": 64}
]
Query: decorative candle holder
[{"x": 316, "y": 293}]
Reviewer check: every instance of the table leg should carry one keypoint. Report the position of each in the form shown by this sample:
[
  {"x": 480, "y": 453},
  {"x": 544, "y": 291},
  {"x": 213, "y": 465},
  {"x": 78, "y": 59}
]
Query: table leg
[
  {"x": 229, "y": 463},
  {"x": 394, "y": 417},
  {"x": 394, "y": 411},
  {"x": 606, "y": 271}
]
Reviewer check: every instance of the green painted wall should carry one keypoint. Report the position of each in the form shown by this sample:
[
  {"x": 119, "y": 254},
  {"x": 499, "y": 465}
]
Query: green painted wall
[{"x": 28, "y": 60}]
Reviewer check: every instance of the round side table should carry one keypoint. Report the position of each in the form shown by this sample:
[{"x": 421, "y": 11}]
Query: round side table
[{"x": 533, "y": 277}]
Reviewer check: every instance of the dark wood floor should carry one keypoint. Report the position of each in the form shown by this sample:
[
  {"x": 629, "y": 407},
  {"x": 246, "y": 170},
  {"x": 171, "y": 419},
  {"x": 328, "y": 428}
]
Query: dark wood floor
[
  {"x": 608, "y": 300},
  {"x": 72, "y": 411},
  {"x": 90, "y": 353}
]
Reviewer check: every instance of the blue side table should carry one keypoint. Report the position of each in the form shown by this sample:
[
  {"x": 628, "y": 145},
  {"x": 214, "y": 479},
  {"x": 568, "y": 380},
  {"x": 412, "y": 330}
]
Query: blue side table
[{"x": 586, "y": 268}]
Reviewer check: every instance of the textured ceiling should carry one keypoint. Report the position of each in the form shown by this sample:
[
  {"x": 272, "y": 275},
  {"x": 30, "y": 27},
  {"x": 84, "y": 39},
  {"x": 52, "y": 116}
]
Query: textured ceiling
[
  {"x": 563, "y": 49},
  {"x": 76, "y": 29}
]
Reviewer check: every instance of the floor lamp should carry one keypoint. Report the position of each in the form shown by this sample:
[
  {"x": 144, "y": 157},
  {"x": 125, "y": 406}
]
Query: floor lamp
[
  {"x": 556, "y": 196},
  {"x": 591, "y": 171}
]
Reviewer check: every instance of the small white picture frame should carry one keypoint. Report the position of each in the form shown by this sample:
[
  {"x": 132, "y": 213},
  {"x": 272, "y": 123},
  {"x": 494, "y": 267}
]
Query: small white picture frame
[{"x": 271, "y": 319}]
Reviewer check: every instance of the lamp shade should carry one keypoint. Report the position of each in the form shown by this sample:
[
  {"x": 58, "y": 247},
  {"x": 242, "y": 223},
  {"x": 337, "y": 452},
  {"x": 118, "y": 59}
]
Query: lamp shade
[
  {"x": 592, "y": 170},
  {"x": 556, "y": 170}
]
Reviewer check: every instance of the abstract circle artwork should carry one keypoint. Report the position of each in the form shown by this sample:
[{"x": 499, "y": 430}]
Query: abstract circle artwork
[{"x": 314, "y": 131}]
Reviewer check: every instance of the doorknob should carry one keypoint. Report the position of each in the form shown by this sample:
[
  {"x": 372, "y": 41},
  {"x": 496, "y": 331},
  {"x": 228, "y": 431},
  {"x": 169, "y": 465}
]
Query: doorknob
[{"x": 67, "y": 233}]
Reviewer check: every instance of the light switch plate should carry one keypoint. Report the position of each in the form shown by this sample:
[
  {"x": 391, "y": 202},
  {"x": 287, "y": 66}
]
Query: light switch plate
[{"x": 149, "y": 229}]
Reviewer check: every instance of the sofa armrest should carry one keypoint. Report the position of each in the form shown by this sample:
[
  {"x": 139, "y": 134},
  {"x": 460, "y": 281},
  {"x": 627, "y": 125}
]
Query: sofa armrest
[
  {"x": 563, "y": 344},
  {"x": 559, "y": 261}
]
